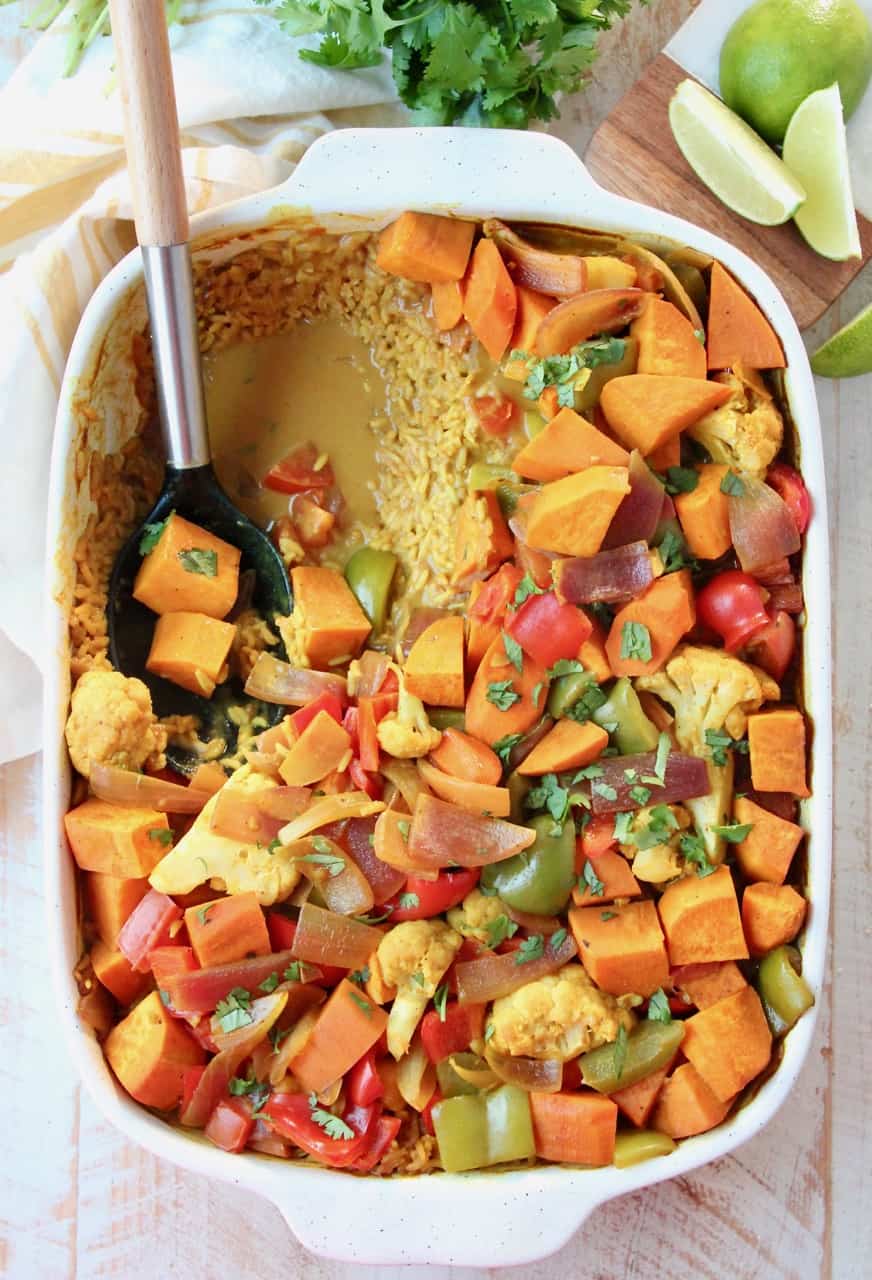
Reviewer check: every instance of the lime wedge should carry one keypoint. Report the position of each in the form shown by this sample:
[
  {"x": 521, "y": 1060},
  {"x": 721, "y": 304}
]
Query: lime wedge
[
  {"x": 847, "y": 353},
  {"x": 731, "y": 159},
  {"x": 816, "y": 151}
]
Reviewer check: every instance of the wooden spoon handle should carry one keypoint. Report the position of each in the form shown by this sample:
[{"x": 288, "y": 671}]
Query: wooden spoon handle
[{"x": 151, "y": 123}]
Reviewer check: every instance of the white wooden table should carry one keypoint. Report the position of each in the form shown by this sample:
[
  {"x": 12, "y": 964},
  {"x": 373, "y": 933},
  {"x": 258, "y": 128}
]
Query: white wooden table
[{"x": 77, "y": 1200}]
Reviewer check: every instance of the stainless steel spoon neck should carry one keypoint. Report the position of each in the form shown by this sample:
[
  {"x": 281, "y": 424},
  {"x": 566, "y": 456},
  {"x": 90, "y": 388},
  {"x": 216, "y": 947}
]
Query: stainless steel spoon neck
[{"x": 170, "y": 289}]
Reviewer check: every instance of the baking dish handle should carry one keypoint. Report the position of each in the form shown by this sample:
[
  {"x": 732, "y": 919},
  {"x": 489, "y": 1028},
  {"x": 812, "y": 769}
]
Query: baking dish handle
[
  {"x": 351, "y": 170},
  {"x": 465, "y": 1220}
]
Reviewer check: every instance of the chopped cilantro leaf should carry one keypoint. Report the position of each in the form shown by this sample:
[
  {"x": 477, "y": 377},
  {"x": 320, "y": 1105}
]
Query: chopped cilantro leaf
[
  {"x": 640, "y": 795},
  {"x": 532, "y": 948},
  {"x": 514, "y": 652},
  {"x": 269, "y": 983},
  {"x": 732, "y": 485},
  {"x": 584, "y": 706},
  {"x": 658, "y": 1007},
  {"x": 200, "y": 560},
  {"x": 734, "y": 832},
  {"x": 603, "y": 789},
  {"x": 332, "y": 863},
  {"x": 151, "y": 535},
  {"x": 418, "y": 979},
  {"x": 203, "y": 913},
  {"x": 334, "y": 1126},
  {"x": 565, "y": 667},
  {"x": 557, "y": 939},
  {"x": 360, "y": 976},
  {"x": 163, "y": 835},
  {"x": 551, "y": 796},
  {"x": 502, "y": 695},
  {"x": 635, "y": 642},
  {"x": 664, "y": 746},
  {"x": 234, "y": 1011},
  {"x": 408, "y": 901},
  {"x": 499, "y": 929},
  {"x": 608, "y": 915},
  {"x": 526, "y": 588},
  {"x": 504, "y": 746},
  {"x": 623, "y": 825},
  {"x": 589, "y": 771},
  {"x": 681, "y": 480},
  {"x": 293, "y": 973},
  {"x": 404, "y": 827},
  {"x": 674, "y": 553},
  {"x": 361, "y": 1003},
  {"x": 440, "y": 1000},
  {"x": 693, "y": 851},
  {"x": 590, "y": 881}
]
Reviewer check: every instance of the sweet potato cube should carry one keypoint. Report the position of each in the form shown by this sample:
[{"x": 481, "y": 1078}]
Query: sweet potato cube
[
  {"x": 572, "y": 515},
  {"x": 191, "y": 650},
  {"x": 117, "y": 974},
  {"x": 772, "y": 914},
  {"x": 188, "y": 570},
  {"x": 668, "y": 343},
  {"x": 666, "y": 609},
  {"x": 701, "y": 920},
  {"x": 625, "y": 953},
  {"x": 768, "y": 848},
  {"x": 729, "y": 1043},
  {"x": 531, "y": 311},
  {"x": 490, "y": 299},
  {"x": 686, "y": 1105},
  {"x": 646, "y": 409},
  {"x": 425, "y": 247},
  {"x": 115, "y": 841},
  {"x": 569, "y": 443},
  {"x": 637, "y": 1100},
  {"x": 109, "y": 900},
  {"x": 738, "y": 331},
  {"x": 227, "y": 929},
  {"x": 569, "y": 745},
  {"x": 574, "y": 1128},
  {"x": 483, "y": 539},
  {"x": 333, "y": 625},
  {"x": 150, "y": 1051},
  {"x": 434, "y": 667},
  {"x": 526, "y": 693},
  {"x": 323, "y": 747},
  {"x": 614, "y": 874},
  {"x": 704, "y": 514},
  {"x": 706, "y": 984},
  {"x": 776, "y": 740},
  {"x": 447, "y": 304},
  {"x": 666, "y": 455},
  {"x": 592, "y": 654}
]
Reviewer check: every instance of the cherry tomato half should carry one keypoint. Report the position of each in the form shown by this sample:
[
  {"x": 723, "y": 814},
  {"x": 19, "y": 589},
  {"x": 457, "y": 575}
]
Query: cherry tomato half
[
  {"x": 733, "y": 605},
  {"x": 772, "y": 646},
  {"x": 788, "y": 484},
  {"x": 299, "y": 470},
  {"x": 496, "y": 414}
]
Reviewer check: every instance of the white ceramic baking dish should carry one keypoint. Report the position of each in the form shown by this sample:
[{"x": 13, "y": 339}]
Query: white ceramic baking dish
[{"x": 362, "y": 179}]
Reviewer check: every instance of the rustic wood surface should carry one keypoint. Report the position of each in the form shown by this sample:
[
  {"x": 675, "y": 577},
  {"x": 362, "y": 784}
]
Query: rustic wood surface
[{"x": 78, "y": 1200}]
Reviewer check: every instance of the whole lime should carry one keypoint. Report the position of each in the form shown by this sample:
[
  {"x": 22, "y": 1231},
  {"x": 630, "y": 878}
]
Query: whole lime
[{"x": 780, "y": 51}]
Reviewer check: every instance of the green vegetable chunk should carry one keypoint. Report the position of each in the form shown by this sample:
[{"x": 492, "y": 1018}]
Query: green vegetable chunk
[
  {"x": 633, "y": 732},
  {"x": 633, "y": 1148},
  {"x": 451, "y": 1084},
  {"x": 575, "y": 696},
  {"x": 446, "y": 717},
  {"x": 370, "y": 574},
  {"x": 476, "y": 1131},
  {"x": 538, "y": 880},
  {"x": 650, "y": 1046},
  {"x": 785, "y": 993},
  {"x": 587, "y": 396}
]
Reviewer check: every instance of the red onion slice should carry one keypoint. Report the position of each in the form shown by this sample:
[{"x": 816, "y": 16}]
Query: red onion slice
[
  {"x": 637, "y": 517},
  {"x": 609, "y": 576},
  {"x": 684, "y": 778},
  {"x": 761, "y": 526}
]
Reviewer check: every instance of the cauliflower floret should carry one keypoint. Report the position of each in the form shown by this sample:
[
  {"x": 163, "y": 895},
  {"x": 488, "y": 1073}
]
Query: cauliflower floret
[
  {"x": 710, "y": 690},
  {"x": 413, "y": 957},
  {"x": 747, "y": 431},
  {"x": 558, "y": 1016},
  {"x": 475, "y": 914},
  {"x": 111, "y": 722},
  {"x": 229, "y": 864},
  {"x": 406, "y": 733},
  {"x": 662, "y": 861}
]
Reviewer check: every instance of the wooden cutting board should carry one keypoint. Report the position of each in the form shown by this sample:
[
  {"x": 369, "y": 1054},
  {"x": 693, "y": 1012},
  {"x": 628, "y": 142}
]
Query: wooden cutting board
[{"x": 634, "y": 154}]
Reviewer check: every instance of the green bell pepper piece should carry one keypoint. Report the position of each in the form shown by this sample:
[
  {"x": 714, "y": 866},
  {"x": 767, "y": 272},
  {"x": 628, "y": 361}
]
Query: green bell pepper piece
[
  {"x": 475, "y": 1131},
  {"x": 650, "y": 1046},
  {"x": 633, "y": 1148},
  {"x": 446, "y": 717},
  {"x": 509, "y": 1125},
  {"x": 567, "y": 691},
  {"x": 534, "y": 424},
  {"x": 451, "y": 1084},
  {"x": 785, "y": 993},
  {"x": 634, "y": 732},
  {"x": 488, "y": 475},
  {"x": 370, "y": 574},
  {"x": 587, "y": 395},
  {"x": 538, "y": 880},
  {"x": 518, "y": 786}
]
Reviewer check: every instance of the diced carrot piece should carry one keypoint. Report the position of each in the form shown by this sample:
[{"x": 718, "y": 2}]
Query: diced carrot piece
[
  {"x": 434, "y": 666},
  {"x": 569, "y": 443},
  {"x": 701, "y": 920},
  {"x": 503, "y": 701},
  {"x": 490, "y": 299},
  {"x": 348, "y": 1025},
  {"x": 613, "y": 872},
  {"x": 483, "y": 539},
  {"x": 447, "y": 304},
  {"x": 637, "y": 1100},
  {"x": 574, "y": 1128},
  {"x": 532, "y": 309},
  {"x": 150, "y": 1051},
  {"x": 686, "y": 1105},
  {"x": 706, "y": 984},
  {"x": 572, "y": 515},
  {"x": 772, "y": 914},
  {"x": 704, "y": 514},
  {"x": 323, "y": 747},
  {"x": 109, "y": 900},
  {"x": 667, "y": 342},
  {"x": 191, "y": 650},
  {"x": 465, "y": 757},
  {"x": 625, "y": 953},
  {"x": 477, "y": 797},
  {"x": 425, "y": 247},
  {"x": 768, "y": 848},
  {"x": 568, "y": 745},
  {"x": 666, "y": 609},
  {"x": 729, "y": 1043},
  {"x": 227, "y": 929},
  {"x": 332, "y": 623},
  {"x": 592, "y": 654},
  {"x": 646, "y": 409},
  {"x": 666, "y": 455},
  {"x": 118, "y": 976},
  {"x": 776, "y": 740},
  {"x": 738, "y": 332},
  {"x": 115, "y": 841},
  {"x": 188, "y": 569}
]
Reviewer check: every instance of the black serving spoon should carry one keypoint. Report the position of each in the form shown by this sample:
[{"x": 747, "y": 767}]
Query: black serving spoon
[{"x": 151, "y": 134}]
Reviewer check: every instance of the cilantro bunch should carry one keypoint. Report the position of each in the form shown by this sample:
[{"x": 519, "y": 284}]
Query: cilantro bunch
[{"x": 501, "y": 62}]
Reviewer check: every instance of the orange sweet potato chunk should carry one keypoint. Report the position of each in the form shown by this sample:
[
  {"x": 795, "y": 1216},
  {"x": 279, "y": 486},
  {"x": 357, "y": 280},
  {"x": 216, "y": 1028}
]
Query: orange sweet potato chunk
[
  {"x": 625, "y": 953},
  {"x": 776, "y": 741},
  {"x": 644, "y": 410},
  {"x": 667, "y": 342},
  {"x": 110, "y": 900},
  {"x": 772, "y": 914},
  {"x": 115, "y": 841},
  {"x": 686, "y": 1105},
  {"x": 572, "y": 515},
  {"x": 574, "y": 1128},
  {"x": 191, "y": 649},
  {"x": 333, "y": 624},
  {"x": 701, "y": 920},
  {"x": 637, "y": 1100},
  {"x": 425, "y": 247},
  {"x": 666, "y": 609},
  {"x": 613, "y": 872},
  {"x": 114, "y": 970},
  {"x": 704, "y": 514},
  {"x": 569, "y": 443},
  {"x": 483, "y": 540},
  {"x": 768, "y": 848},
  {"x": 568, "y": 745},
  {"x": 738, "y": 332},
  {"x": 434, "y": 667},
  {"x": 490, "y": 300},
  {"x": 729, "y": 1043},
  {"x": 706, "y": 984},
  {"x": 532, "y": 309},
  {"x": 189, "y": 569},
  {"x": 150, "y": 1051},
  {"x": 227, "y": 929},
  {"x": 447, "y": 304}
]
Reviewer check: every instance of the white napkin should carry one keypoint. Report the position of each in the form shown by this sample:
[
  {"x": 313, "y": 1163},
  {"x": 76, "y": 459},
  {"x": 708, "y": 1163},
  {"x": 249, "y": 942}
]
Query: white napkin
[{"x": 248, "y": 108}]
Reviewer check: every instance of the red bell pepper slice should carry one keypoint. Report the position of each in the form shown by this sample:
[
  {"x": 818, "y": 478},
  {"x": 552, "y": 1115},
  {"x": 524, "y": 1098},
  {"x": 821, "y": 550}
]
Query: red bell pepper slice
[
  {"x": 351, "y": 725},
  {"x": 230, "y": 1124},
  {"x": 427, "y": 1113},
  {"x": 371, "y": 783},
  {"x": 297, "y": 471},
  {"x": 548, "y": 630},
  {"x": 191, "y": 1078},
  {"x": 434, "y": 896},
  {"x": 147, "y": 927},
  {"x": 282, "y": 932},
  {"x": 497, "y": 593},
  {"x": 291, "y": 1116},
  {"x": 367, "y": 733},
  {"x": 327, "y": 701},
  {"x": 463, "y": 1023},
  {"x": 385, "y": 1130},
  {"x": 363, "y": 1081}
]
